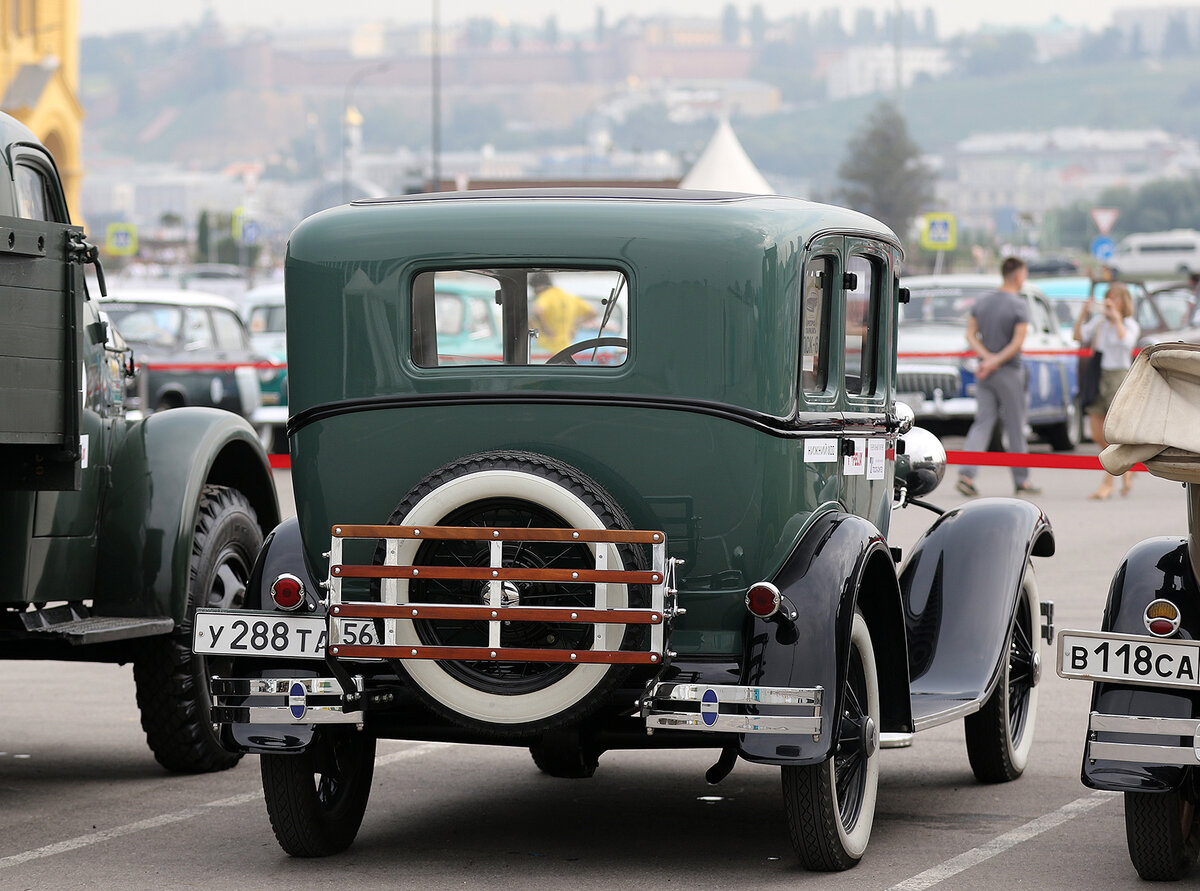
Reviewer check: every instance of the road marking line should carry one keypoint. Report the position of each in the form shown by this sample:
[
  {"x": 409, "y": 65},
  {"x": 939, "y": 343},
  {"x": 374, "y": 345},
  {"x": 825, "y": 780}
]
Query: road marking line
[
  {"x": 1002, "y": 843},
  {"x": 95, "y": 838}
]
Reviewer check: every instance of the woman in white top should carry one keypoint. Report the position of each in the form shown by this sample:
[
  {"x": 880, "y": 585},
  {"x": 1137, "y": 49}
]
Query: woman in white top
[{"x": 1112, "y": 333}]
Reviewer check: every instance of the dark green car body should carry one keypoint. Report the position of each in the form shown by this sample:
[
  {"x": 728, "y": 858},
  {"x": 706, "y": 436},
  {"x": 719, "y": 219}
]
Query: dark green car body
[{"x": 696, "y": 433}]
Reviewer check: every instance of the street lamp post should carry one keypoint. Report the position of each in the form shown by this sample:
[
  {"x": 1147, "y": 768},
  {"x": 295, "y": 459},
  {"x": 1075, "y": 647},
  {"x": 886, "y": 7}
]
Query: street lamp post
[{"x": 355, "y": 79}]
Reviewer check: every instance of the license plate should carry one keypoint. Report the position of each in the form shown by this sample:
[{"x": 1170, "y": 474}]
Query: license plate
[
  {"x": 1129, "y": 659},
  {"x": 249, "y": 633}
]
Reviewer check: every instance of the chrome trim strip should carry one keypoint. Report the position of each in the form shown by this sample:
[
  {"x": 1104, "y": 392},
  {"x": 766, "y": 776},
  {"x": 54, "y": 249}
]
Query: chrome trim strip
[
  {"x": 1142, "y": 754},
  {"x": 808, "y": 696},
  {"x": 1150, "y": 728},
  {"x": 1145, "y": 724},
  {"x": 735, "y": 723},
  {"x": 315, "y": 714}
]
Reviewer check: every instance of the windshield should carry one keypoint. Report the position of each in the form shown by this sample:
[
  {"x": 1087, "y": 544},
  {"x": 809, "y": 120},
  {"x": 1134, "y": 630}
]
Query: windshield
[
  {"x": 147, "y": 324},
  {"x": 941, "y": 306}
]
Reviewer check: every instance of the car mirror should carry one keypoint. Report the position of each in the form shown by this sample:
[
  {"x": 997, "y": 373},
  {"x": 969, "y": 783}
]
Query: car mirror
[{"x": 921, "y": 464}]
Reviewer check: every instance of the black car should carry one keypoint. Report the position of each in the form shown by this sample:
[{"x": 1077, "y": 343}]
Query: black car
[{"x": 192, "y": 349}]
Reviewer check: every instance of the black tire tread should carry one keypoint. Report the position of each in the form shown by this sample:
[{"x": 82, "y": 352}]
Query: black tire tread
[
  {"x": 1154, "y": 835},
  {"x": 808, "y": 798},
  {"x": 301, "y": 826},
  {"x": 171, "y": 689}
]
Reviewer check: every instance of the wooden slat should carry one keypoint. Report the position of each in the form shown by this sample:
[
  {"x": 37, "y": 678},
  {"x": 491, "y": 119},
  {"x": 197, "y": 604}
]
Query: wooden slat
[
  {"x": 483, "y": 533},
  {"x": 502, "y": 654},
  {"x": 565, "y": 614},
  {"x": 506, "y": 574}
]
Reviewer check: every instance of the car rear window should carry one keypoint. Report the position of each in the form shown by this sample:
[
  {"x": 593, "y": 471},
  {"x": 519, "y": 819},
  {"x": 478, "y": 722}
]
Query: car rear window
[{"x": 519, "y": 316}]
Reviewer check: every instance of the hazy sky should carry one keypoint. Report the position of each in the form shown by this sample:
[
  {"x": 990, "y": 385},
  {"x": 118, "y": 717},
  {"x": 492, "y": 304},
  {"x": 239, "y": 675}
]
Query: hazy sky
[{"x": 107, "y": 16}]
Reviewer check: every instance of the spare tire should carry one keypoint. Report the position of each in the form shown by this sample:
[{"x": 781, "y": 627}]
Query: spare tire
[{"x": 512, "y": 489}]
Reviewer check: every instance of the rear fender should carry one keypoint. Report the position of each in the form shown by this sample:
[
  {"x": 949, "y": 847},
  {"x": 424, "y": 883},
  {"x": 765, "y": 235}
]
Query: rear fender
[
  {"x": 960, "y": 587},
  {"x": 1156, "y": 567},
  {"x": 842, "y": 561},
  {"x": 159, "y": 468}
]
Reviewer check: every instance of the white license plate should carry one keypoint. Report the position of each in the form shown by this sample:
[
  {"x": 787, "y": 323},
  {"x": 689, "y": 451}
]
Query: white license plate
[
  {"x": 249, "y": 633},
  {"x": 1129, "y": 659}
]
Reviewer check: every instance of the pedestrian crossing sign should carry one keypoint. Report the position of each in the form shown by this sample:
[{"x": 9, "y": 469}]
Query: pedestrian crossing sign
[
  {"x": 121, "y": 239},
  {"x": 939, "y": 232}
]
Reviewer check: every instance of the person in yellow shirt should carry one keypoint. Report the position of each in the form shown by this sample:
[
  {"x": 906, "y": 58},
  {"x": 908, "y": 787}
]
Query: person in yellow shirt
[{"x": 558, "y": 314}]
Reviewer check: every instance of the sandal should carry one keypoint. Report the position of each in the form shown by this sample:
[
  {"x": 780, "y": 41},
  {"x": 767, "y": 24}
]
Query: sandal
[
  {"x": 1028, "y": 489},
  {"x": 1126, "y": 483},
  {"x": 967, "y": 487}
]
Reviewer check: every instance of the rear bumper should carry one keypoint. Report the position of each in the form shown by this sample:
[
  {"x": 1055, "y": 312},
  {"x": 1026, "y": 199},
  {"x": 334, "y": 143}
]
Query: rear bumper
[
  {"x": 1143, "y": 740},
  {"x": 733, "y": 709}
]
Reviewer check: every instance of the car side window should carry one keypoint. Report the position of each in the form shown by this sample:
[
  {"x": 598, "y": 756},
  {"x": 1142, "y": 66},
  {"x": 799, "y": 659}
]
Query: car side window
[
  {"x": 817, "y": 288},
  {"x": 197, "y": 333},
  {"x": 33, "y": 197},
  {"x": 230, "y": 334},
  {"x": 861, "y": 292}
]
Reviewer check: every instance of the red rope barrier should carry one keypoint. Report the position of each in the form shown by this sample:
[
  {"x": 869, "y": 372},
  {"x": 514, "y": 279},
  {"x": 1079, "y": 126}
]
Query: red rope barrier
[{"x": 971, "y": 459}]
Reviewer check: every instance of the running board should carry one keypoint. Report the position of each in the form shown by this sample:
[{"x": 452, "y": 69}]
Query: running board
[{"x": 81, "y": 630}]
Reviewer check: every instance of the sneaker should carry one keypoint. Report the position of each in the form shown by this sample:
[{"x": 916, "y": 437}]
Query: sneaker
[
  {"x": 967, "y": 487},
  {"x": 1028, "y": 489}
]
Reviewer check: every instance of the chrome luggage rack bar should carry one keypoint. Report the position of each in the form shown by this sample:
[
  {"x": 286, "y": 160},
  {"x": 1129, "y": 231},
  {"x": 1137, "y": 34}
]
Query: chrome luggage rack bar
[
  {"x": 396, "y": 608},
  {"x": 733, "y": 709}
]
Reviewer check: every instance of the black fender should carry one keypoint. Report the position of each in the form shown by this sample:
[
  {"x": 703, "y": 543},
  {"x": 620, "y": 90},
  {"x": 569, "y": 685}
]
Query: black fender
[
  {"x": 841, "y": 562},
  {"x": 282, "y": 552},
  {"x": 1156, "y": 567},
  {"x": 159, "y": 467},
  {"x": 960, "y": 587}
]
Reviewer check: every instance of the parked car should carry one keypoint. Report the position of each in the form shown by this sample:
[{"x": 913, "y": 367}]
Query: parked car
[
  {"x": 1144, "y": 661},
  {"x": 264, "y": 313},
  {"x": 937, "y": 379},
  {"x": 192, "y": 348},
  {"x": 1157, "y": 254},
  {"x": 683, "y": 545},
  {"x": 1052, "y": 266},
  {"x": 114, "y": 529}
]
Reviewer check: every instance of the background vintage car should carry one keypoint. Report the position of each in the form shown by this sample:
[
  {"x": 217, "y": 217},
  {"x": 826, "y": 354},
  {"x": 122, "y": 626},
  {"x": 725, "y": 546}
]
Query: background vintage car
[
  {"x": 264, "y": 313},
  {"x": 942, "y": 388},
  {"x": 199, "y": 332}
]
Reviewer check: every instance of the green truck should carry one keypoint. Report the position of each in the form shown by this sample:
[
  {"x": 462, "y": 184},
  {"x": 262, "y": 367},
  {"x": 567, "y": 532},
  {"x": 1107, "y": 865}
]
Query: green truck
[{"x": 112, "y": 531}]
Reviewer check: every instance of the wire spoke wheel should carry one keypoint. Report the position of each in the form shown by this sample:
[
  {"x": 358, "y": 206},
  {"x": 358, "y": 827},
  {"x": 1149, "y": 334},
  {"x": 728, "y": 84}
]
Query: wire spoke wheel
[
  {"x": 831, "y": 806},
  {"x": 1000, "y": 735}
]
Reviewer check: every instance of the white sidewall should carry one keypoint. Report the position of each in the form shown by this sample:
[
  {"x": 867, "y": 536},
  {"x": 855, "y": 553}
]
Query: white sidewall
[
  {"x": 855, "y": 842},
  {"x": 429, "y": 675}
]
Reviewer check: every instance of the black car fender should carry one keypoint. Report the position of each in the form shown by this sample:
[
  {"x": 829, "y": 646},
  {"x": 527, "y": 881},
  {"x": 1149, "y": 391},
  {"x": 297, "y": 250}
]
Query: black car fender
[
  {"x": 960, "y": 587},
  {"x": 282, "y": 553},
  {"x": 1154, "y": 568},
  {"x": 842, "y": 562}
]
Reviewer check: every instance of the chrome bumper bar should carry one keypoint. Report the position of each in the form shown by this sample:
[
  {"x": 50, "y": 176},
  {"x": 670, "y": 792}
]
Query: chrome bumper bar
[
  {"x": 733, "y": 709},
  {"x": 280, "y": 701},
  {"x": 1166, "y": 734}
]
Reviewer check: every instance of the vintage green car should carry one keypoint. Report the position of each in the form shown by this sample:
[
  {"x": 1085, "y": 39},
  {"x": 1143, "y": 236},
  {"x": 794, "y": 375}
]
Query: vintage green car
[{"x": 656, "y": 518}]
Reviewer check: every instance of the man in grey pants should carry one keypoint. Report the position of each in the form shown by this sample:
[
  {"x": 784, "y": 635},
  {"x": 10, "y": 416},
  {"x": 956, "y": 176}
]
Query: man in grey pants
[{"x": 995, "y": 331}]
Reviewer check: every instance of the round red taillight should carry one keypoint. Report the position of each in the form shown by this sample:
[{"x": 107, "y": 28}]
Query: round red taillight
[
  {"x": 288, "y": 592},
  {"x": 1161, "y": 627},
  {"x": 1162, "y": 618},
  {"x": 763, "y": 600}
]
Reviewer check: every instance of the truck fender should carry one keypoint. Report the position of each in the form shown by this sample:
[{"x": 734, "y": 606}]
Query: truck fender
[
  {"x": 960, "y": 587},
  {"x": 159, "y": 467},
  {"x": 1154, "y": 568},
  {"x": 841, "y": 562}
]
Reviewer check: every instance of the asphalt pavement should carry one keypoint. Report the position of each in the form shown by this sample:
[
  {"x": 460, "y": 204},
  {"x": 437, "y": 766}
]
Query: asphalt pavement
[{"x": 85, "y": 805}]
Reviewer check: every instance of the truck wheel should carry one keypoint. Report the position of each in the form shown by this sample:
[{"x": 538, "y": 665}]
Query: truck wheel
[
  {"x": 1162, "y": 833},
  {"x": 316, "y": 799},
  {"x": 1000, "y": 735},
  {"x": 512, "y": 699},
  {"x": 831, "y": 806},
  {"x": 172, "y": 682}
]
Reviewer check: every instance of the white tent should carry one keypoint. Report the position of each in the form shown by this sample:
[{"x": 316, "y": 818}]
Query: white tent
[{"x": 724, "y": 166}]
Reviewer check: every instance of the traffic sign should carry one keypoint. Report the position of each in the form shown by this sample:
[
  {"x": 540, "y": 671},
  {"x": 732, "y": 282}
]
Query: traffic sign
[
  {"x": 1105, "y": 218},
  {"x": 939, "y": 232},
  {"x": 120, "y": 239},
  {"x": 1103, "y": 248}
]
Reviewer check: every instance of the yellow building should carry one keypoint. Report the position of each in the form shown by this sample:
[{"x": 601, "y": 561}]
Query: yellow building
[{"x": 39, "y": 80}]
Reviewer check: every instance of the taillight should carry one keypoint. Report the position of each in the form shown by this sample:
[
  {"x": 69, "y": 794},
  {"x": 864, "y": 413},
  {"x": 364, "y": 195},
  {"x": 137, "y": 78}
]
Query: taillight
[
  {"x": 1162, "y": 618},
  {"x": 763, "y": 600},
  {"x": 288, "y": 592}
]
